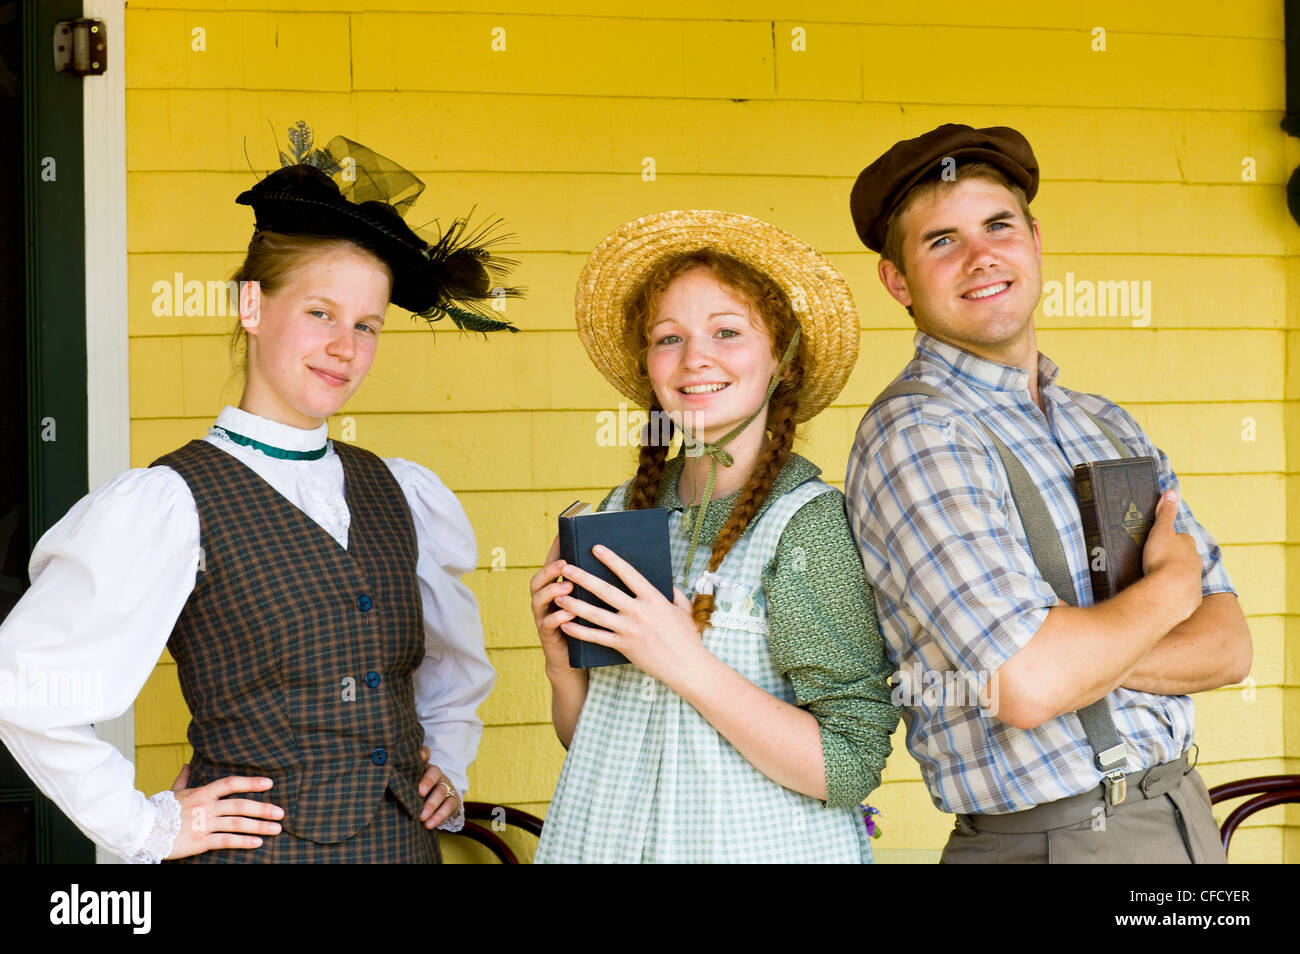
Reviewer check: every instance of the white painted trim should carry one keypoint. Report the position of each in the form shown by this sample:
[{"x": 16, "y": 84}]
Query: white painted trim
[{"x": 108, "y": 401}]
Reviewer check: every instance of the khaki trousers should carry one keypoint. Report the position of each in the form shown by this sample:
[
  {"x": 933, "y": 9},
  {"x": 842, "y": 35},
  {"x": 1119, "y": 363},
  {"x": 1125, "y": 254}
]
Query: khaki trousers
[{"x": 1175, "y": 827}]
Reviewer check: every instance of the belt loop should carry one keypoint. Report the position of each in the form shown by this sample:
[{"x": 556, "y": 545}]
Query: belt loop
[{"x": 1147, "y": 778}]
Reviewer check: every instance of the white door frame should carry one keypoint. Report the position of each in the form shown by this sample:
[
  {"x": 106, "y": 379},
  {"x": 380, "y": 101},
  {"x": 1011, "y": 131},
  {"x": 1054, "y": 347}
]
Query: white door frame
[{"x": 108, "y": 403}]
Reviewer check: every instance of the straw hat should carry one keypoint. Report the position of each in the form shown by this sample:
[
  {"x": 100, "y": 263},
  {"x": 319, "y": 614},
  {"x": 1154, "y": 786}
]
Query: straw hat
[{"x": 817, "y": 291}]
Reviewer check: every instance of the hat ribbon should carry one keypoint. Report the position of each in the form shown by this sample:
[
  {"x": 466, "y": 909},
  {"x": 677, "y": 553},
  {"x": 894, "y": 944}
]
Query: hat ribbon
[{"x": 719, "y": 456}]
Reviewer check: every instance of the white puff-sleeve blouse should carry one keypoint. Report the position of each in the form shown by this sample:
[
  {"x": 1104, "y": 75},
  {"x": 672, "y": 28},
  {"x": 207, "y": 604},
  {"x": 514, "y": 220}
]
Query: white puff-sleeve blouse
[{"x": 109, "y": 581}]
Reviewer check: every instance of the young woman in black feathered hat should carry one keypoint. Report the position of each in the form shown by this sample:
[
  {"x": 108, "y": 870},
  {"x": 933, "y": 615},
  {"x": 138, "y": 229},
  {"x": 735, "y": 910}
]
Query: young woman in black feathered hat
[{"x": 331, "y": 657}]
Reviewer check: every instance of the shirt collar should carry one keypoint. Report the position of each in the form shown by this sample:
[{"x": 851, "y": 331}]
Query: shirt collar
[
  {"x": 796, "y": 471},
  {"x": 982, "y": 373},
  {"x": 266, "y": 431}
]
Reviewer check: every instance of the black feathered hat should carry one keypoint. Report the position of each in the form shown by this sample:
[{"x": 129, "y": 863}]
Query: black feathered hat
[{"x": 349, "y": 191}]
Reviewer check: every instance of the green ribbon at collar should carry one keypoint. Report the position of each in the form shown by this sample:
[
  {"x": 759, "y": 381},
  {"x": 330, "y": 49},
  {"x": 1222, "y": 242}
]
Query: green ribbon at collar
[{"x": 271, "y": 451}]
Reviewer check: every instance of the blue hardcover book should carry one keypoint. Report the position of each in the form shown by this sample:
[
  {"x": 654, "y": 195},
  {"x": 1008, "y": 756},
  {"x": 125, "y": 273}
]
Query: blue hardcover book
[{"x": 638, "y": 536}]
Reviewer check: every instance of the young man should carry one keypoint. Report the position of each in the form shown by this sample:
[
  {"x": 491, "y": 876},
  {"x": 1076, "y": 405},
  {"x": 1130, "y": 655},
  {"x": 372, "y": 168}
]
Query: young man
[{"x": 962, "y": 600}]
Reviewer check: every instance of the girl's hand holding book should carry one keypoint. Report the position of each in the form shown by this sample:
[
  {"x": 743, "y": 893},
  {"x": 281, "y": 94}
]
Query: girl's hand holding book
[
  {"x": 546, "y": 589},
  {"x": 659, "y": 637}
]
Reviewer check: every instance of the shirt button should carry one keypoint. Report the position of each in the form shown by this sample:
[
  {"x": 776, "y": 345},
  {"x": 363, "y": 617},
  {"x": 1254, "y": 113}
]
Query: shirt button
[
  {"x": 364, "y": 603},
  {"x": 379, "y": 756},
  {"x": 372, "y": 679}
]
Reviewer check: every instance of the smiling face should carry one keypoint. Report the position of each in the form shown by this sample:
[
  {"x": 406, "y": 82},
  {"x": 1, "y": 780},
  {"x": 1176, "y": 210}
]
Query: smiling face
[
  {"x": 710, "y": 358},
  {"x": 311, "y": 342},
  {"x": 973, "y": 269}
]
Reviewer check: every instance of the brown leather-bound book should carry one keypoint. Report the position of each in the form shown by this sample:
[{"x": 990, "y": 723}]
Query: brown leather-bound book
[{"x": 1117, "y": 500}]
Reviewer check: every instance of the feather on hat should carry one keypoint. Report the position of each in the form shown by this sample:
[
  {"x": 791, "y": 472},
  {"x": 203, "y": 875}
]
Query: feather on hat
[{"x": 349, "y": 191}]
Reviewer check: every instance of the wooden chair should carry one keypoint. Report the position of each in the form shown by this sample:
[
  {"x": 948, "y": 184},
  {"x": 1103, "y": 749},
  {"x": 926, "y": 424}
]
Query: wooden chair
[
  {"x": 476, "y": 812},
  {"x": 1269, "y": 790}
]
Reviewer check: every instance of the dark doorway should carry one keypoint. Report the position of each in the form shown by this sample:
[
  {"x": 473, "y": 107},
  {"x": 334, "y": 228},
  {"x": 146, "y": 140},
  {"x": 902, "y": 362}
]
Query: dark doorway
[
  {"x": 17, "y": 798},
  {"x": 42, "y": 320}
]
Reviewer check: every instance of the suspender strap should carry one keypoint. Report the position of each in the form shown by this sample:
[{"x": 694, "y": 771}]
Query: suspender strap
[
  {"x": 1110, "y": 435},
  {"x": 1049, "y": 557}
]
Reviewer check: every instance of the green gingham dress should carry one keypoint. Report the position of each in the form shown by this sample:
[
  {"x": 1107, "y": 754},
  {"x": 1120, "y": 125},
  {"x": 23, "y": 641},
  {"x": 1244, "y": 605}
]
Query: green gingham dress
[{"x": 648, "y": 779}]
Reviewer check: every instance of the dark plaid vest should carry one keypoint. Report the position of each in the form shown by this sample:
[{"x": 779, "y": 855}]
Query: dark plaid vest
[{"x": 295, "y": 655}]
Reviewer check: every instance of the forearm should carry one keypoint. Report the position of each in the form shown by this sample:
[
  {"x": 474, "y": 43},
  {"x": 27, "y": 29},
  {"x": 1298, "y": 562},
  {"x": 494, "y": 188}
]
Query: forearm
[
  {"x": 448, "y": 693},
  {"x": 88, "y": 779},
  {"x": 1077, "y": 656},
  {"x": 1210, "y": 648},
  {"x": 450, "y": 685},
  {"x": 824, "y": 638},
  {"x": 780, "y": 740},
  {"x": 568, "y": 693}
]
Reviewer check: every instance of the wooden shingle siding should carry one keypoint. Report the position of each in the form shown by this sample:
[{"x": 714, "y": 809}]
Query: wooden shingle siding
[{"x": 1143, "y": 149}]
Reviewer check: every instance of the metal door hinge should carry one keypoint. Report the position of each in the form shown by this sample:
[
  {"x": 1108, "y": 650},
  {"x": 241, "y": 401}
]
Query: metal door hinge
[{"x": 80, "y": 47}]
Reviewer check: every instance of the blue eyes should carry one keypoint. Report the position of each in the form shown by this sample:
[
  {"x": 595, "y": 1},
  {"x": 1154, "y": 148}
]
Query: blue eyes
[
  {"x": 325, "y": 316},
  {"x": 998, "y": 226}
]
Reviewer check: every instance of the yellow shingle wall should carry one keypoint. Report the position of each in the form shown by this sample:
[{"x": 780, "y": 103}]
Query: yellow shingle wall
[{"x": 1162, "y": 160}]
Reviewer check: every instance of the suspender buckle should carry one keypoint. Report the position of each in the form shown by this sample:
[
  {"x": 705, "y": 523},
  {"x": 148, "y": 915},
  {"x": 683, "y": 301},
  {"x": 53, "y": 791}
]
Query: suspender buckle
[
  {"x": 1116, "y": 787},
  {"x": 1112, "y": 762}
]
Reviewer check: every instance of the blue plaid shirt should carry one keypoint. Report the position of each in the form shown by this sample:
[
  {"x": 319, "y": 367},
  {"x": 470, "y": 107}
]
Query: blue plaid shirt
[{"x": 957, "y": 591}]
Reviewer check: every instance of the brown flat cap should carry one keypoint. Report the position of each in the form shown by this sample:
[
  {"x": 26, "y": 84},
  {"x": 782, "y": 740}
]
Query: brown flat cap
[{"x": 883, "y": 185}]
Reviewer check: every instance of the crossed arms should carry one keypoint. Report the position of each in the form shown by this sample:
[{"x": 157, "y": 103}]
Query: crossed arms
[
  {"x": 1159, "y": 635},
  {"x": 927, "y": 508}
]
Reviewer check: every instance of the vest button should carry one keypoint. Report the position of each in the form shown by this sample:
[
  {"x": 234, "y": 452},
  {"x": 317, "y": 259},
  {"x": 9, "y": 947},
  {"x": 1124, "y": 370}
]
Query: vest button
[
  {"x": 379, "y": 756},
  {"x": 372, "y": 679},
  {"x": 364, "y": 603}
]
